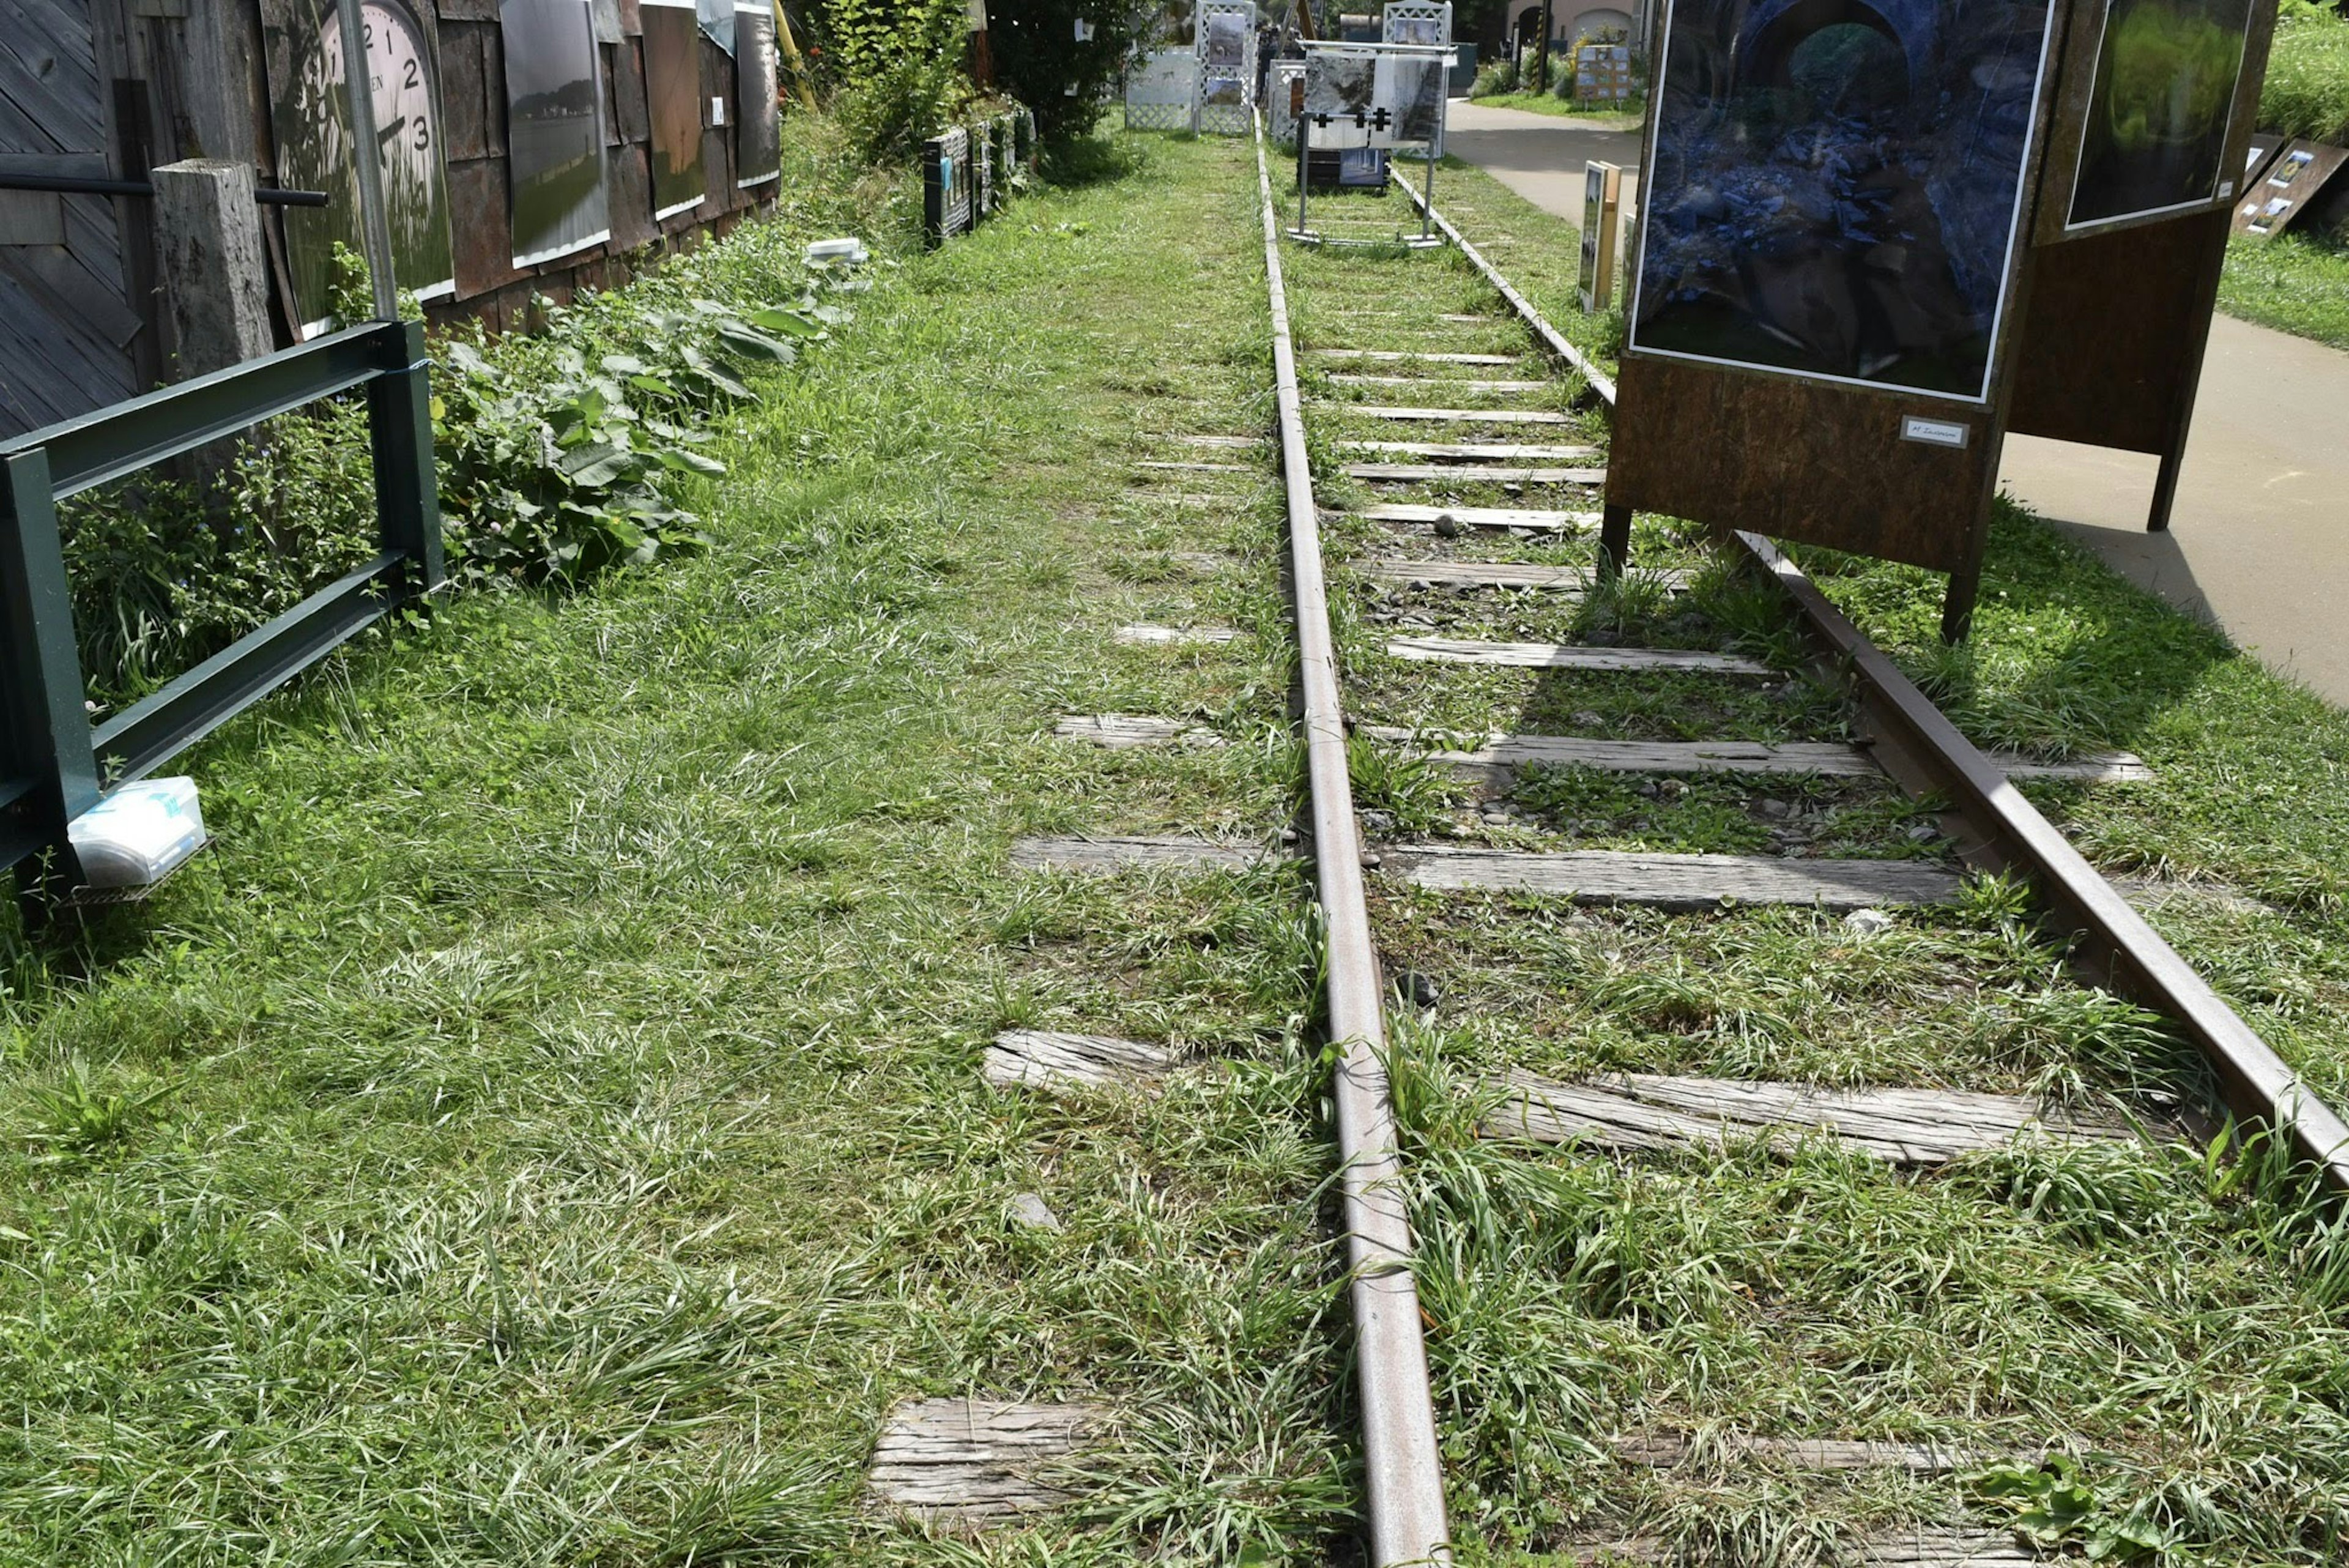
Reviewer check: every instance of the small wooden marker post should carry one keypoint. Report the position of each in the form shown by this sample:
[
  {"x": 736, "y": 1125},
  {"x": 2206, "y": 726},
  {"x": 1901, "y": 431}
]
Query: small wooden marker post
[{"x": 1602, "y": 201}]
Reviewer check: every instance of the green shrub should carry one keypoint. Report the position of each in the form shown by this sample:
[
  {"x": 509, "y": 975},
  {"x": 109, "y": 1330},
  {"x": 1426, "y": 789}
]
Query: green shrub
[
  {"x": 1494, "y": 78},
  {"x": 560, "y": 454},
  {"x": 896, "y": 70},
  {"x": 2307, "y": 88},
  {"x": 1039, "y": 58}
]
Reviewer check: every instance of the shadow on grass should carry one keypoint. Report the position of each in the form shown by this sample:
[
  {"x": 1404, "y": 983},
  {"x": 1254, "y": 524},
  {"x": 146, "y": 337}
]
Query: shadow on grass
[{"x": 1092, "y": 160}]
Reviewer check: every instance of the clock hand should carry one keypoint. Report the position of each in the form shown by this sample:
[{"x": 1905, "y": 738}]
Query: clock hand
[{"x": 389, "y": 131}]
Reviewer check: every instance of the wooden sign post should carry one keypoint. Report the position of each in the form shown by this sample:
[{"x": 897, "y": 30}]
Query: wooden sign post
[
  {"x": 1875, "y": 237},
  {"x": 1602, "y": 198}
]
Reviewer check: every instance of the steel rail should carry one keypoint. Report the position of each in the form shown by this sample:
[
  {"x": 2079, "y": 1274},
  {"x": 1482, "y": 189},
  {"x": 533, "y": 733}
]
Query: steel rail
[
  {"x": 2114, "y": 946},
  {"x": 1601, "y": 385},
  {"x": 1403, "y": 1466}
]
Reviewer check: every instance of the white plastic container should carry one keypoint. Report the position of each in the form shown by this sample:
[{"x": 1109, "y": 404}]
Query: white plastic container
[
  {"x": 850, "y": 250},
  {"x": 138, "y": 834}
]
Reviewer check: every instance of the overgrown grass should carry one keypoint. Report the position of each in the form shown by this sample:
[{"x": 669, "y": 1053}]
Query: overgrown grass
[
  {"x": 2297, "y": 283},
  {"x": 546, "y": 1127},
  {"x": 2306, "y": 91}
]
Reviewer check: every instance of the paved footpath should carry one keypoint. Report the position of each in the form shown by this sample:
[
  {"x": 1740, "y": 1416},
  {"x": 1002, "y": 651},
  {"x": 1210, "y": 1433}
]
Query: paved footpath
[{"x": 2259, "y": 541}]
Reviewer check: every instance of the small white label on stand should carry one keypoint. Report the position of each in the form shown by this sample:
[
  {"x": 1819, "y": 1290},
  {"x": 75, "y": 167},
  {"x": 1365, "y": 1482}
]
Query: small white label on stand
[
  {"x": 2227, "y": 190},
  {"x": 716, "y": 111},
  {"x": 1934, "y": 432}
]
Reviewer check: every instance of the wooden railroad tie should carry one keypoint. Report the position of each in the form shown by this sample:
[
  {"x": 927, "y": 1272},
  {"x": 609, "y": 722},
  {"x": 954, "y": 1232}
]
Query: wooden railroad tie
[
  {"x": 1049, "y": 1060},
  {"x": 1430, "y": 473},
  {"x": 1648, "y": 1111},
  {"x": 1177, "y": 635},
  {"x": 1474, "y": 451},
  {"x": 1687, "y": 882},
  {"x": 1450, "y": 384},
  {"x": 1673, "y": 1451},
  {"x": 1570, "y": 656},
  {"x": 977, "y": 1462},
  {"x": 1461, "y": 416},
  {"x": 1403, "y": 356},
  {"x": 1107, "y": 856},
  {"x": 1127, "y": 731},
  {"x": 1165, "y": 467},
  {"x": 1516, "y": 519},
  {"x": 1921, "y": 1548},
  {"x": 1500, "y": 752},
  {"x": 1472, "y": 575},
  {"x": 1219, "y": 442}
]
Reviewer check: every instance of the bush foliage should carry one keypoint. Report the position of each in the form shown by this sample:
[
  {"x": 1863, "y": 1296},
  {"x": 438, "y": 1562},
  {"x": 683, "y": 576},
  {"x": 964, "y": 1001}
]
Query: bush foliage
[
  {"x": 2307, "y": 88},
  {"x": 561, "y": 453}
]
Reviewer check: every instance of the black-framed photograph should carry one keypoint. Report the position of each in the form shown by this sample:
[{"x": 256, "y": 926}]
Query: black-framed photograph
[
  {"x": 2155, "y": 140},
  {"x": 758, "y": 133},
  {"x": 1838, "y": 190},
  {"x": 555, "y": 128},
  {"x": 673, "y": 99},
  {"x": 309, "y": 117}
]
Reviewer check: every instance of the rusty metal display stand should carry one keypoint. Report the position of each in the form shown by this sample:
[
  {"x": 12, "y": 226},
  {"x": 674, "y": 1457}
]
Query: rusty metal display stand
[{"x": 2086, "y": 324}]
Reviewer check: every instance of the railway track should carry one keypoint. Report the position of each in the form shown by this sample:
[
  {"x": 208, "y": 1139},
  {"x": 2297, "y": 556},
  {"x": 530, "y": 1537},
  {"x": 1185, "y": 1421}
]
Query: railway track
[{"x": 1685, "y": 1002}]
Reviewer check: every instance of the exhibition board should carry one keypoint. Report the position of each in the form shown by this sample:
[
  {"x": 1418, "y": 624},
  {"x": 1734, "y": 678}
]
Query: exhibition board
[
  {"x": 2154, "y": 110},
  {"x": 1875, "y": 237},
  {"x": 2287, "y": 188}
]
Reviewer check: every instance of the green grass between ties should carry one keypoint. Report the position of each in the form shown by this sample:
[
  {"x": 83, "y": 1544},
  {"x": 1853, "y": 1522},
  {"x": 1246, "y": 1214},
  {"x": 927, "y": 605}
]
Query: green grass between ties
[
  {"x": 546, "y": 1125},
  {"x": 2128, "y": 1304}
]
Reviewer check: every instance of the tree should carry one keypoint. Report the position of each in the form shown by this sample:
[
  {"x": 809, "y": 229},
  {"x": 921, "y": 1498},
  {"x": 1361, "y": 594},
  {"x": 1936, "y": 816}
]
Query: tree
[{"x": 1038, "y": 56}]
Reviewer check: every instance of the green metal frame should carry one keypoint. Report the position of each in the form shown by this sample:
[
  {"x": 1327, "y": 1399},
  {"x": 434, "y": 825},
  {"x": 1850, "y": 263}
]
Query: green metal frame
[{"x": 54, "y": 765}]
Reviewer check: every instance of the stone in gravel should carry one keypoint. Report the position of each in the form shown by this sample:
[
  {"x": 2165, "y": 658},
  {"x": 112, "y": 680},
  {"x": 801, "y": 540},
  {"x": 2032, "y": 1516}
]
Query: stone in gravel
[
  {"x": 1650, "y": 789},
  {"x": 1029, "y": 1210},
  {"x": 1497, "y": 818},
  {"x": 1585, "y": 720},
  {"x": 1775, "y": 810},
  {"x": 1447, "y": 526},
  {"x": 1866, "y": 923},
  {"x": 1379, "y": 824},
  {"x": 1923, "y": 833},
  {"x": 1416, "y": 989}
]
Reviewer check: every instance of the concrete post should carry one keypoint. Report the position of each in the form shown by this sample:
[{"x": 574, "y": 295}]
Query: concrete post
[{"x": 213, "y": 276}]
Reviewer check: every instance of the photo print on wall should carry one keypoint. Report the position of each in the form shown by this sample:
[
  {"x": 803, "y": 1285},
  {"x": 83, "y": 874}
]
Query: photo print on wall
[
  {"x": 673, "y": 99},
  {"x": 555, "y": 128},
  {"x": 1838, "y": 187},
  {"x": 309, "y": 116},
  {"x": 758, "y": 139},
  {"x": 2155, "y": 136}
]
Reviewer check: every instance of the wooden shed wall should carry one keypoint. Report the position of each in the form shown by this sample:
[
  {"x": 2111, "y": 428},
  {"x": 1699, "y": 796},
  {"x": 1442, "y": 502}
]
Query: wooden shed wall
[
  {"x": 110, "y": 88},
  {"x": 66, "y": 328}
]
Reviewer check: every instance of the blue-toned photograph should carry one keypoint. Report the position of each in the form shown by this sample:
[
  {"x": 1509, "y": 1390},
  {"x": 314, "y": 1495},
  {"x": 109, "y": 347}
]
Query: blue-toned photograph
[{"x": 1835, "y": 185}]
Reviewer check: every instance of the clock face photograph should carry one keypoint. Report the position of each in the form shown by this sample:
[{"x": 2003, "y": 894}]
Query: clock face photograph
[
  {"x": 555, "y": 128},
  {"x": 310, "y": 119}
]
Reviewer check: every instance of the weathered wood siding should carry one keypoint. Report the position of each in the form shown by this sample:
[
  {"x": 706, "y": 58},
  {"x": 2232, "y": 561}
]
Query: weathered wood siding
[
  {"x": 110, "y": 88},
  {"x": 66, "y": 324}
]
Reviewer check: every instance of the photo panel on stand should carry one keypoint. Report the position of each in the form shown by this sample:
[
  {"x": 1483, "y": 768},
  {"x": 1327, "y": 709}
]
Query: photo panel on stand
[
  {"x": 2155, "y": 140},
  {"x": 555, "y": 128},
  {"x": 758, "y": 136},
  {"x": 673, "y": 99},
  {"x": 1836, "y": 191}
]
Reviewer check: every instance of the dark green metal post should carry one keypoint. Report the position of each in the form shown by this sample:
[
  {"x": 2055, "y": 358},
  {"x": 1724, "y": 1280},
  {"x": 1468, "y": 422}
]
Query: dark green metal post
[
  {"x": 407, "y": 486},
  {"x": 46, "y": 739}
]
